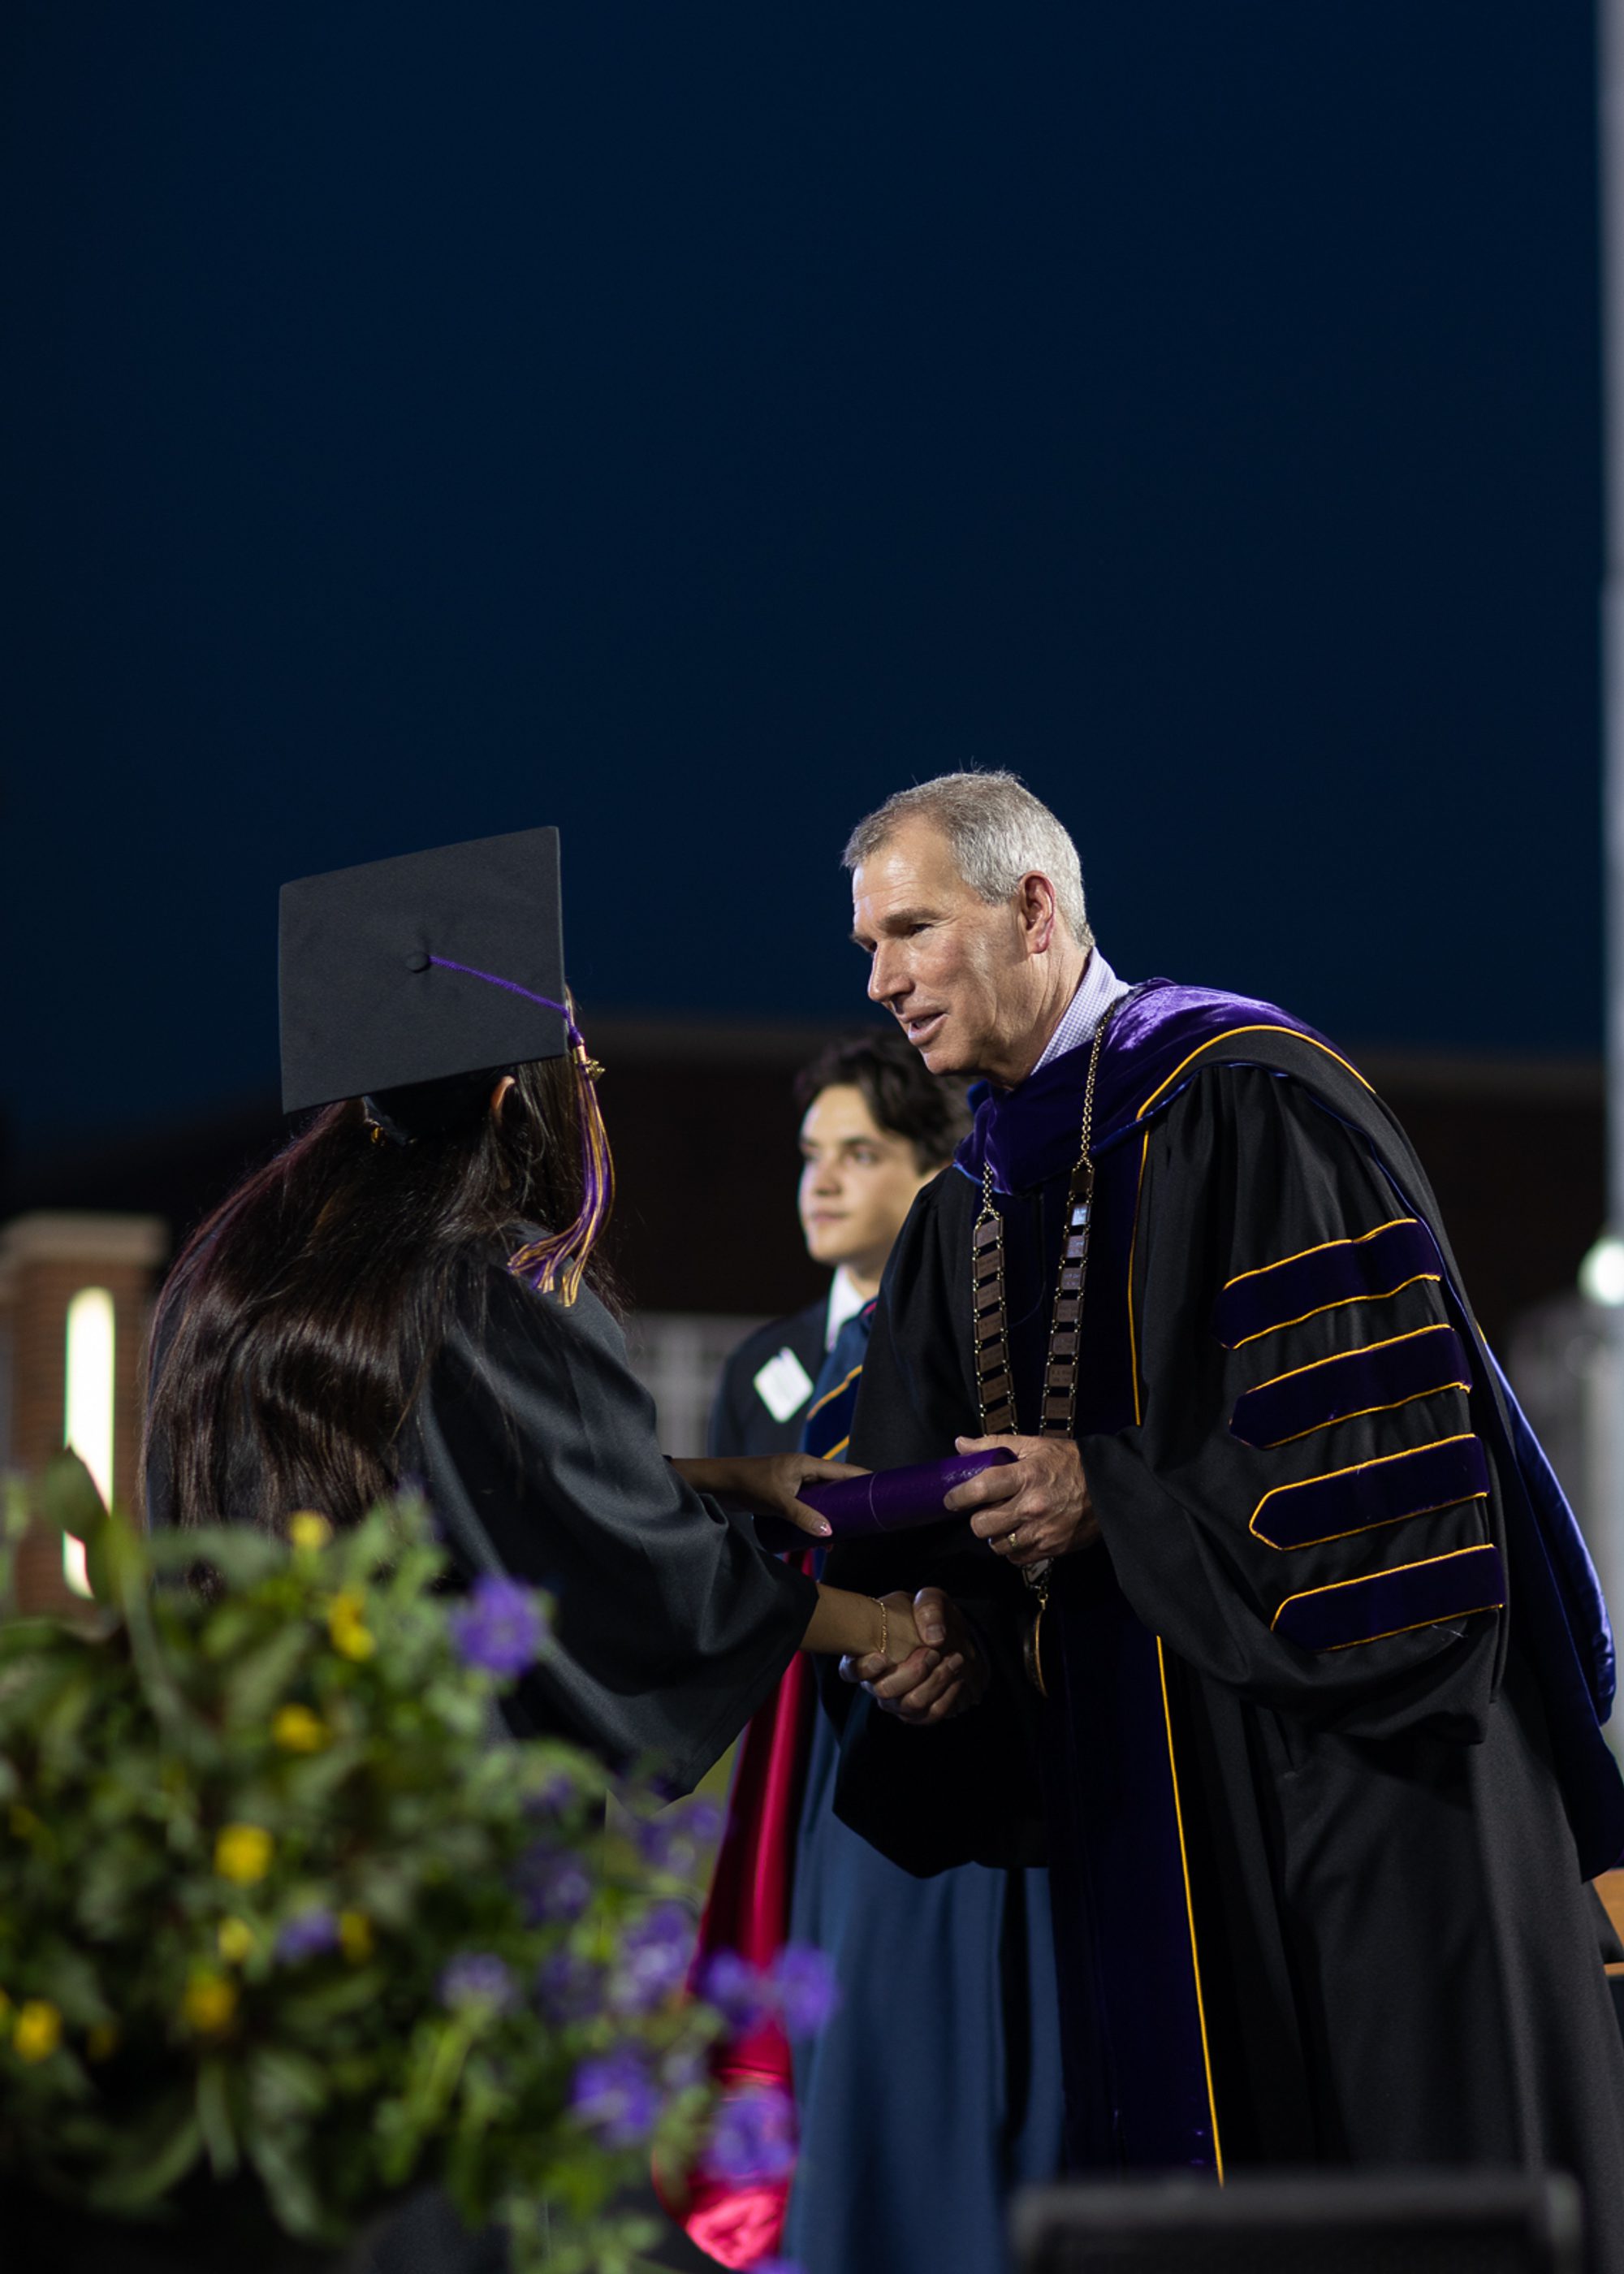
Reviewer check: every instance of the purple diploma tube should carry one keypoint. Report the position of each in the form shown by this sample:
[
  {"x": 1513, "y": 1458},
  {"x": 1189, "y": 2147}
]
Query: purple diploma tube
[{"x": 894, "y": 1500}]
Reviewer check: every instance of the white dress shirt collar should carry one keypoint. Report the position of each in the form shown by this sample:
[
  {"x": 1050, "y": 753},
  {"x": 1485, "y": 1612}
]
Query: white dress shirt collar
[
  {"x": 846, "y": 1299},
  {"x": 1097, "y": 990}
]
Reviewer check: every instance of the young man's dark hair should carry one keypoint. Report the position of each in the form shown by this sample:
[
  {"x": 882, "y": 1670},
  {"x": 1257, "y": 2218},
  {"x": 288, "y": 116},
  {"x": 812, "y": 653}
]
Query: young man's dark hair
[{"x": 898, "y": 1088}]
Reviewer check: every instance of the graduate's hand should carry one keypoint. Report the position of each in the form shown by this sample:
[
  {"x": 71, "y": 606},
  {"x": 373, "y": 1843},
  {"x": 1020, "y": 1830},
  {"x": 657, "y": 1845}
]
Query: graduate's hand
[
  {"x": 1032, "y": 1507},
  {"x": 946, "y": 1676},
  {"x": 767, "y": 1484}
]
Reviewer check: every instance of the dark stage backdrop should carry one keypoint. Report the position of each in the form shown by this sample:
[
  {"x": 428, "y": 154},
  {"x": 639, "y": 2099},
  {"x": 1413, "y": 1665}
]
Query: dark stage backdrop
[{"x": 684, "y": 423}]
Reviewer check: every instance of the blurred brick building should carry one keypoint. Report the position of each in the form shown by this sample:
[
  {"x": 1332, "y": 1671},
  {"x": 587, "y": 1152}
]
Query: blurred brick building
[
  {"x": 76, "y": 1289},
  {"x": 706, "y": 1241}
]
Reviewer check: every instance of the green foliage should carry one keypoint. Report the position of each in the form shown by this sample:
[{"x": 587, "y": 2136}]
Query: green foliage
[{"x": 187, "y": 1772}]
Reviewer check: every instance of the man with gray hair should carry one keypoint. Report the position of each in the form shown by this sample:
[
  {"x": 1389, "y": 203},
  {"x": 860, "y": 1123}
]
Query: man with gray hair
[{"x": 1314, "y": 1661}]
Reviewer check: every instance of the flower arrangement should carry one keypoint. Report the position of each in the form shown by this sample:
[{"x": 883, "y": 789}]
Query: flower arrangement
[{"x": 277, "y": 1911}]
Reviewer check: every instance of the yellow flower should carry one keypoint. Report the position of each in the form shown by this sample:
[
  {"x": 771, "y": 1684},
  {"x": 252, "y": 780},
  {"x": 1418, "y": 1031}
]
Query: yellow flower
[
  {"x": 355, "y": 1936},
  {"x": 349, "y": 1634},
  {"x": 243, "y": 1852},
  {"x": 209, "y": 2003},
  {"x": 236, "y": 1940},
  {"x": 297, "y": 1731},
  {"x": 101, "y": 2043},
  {"x": 38, "y": 2030},
  {"x": 307, "y": 1530}
]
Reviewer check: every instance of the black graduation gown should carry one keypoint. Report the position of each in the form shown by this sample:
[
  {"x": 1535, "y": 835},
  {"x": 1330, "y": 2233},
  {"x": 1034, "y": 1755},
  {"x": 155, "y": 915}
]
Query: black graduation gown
[
  {"x": 1313, "y": 1800},
  {"x": 534, "y": 1444}
]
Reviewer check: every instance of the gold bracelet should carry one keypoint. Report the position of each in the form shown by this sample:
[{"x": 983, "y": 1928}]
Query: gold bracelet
[{"x": 885, "y": 1626}]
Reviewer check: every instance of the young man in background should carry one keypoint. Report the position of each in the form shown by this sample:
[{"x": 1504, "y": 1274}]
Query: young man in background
[
  {"x": 904, "y": 2167},
  {"x": 876, "y": 1127}
]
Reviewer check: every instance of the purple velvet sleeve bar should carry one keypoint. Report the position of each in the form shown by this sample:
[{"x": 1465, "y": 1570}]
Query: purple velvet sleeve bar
[
  {"x": 1436, "y": 1589},
  {"x": 1350, "y": 1383},
  {"x": 1365, "y": 1269}
]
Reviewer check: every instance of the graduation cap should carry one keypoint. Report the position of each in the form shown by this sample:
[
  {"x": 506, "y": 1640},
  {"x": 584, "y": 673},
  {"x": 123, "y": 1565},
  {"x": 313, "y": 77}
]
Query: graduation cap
[{"x": 415, "y": 983}]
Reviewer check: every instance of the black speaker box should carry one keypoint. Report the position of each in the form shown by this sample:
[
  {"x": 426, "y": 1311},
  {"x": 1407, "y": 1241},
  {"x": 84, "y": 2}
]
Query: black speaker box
[{"x": 1476, "y": 2222}]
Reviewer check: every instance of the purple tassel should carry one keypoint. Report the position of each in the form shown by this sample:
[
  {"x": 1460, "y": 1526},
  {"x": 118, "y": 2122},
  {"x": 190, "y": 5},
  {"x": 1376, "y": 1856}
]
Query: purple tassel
[{"x": 559, "y": 1262}]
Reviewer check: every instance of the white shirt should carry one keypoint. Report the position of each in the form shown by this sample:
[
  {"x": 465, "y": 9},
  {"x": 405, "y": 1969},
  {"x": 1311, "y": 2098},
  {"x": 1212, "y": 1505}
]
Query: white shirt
[
  {"x": 1097, "y": 990},
  {"x": 846, "y": 1299}
]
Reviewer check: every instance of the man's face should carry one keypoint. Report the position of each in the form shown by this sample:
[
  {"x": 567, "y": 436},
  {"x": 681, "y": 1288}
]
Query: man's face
[
  {"x": 956, "y": 973},
  {"x": 857, "y": 1182}
]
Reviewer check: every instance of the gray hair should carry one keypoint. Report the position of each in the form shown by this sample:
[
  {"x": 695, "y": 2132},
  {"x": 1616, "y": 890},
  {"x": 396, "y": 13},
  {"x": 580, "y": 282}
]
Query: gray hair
[{"x": 999, "y": 833}]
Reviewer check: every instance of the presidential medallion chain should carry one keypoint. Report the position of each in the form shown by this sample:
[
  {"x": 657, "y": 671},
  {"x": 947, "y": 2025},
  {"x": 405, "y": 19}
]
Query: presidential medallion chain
[
  {"x": 994, "y": 1374},
  {"x": 994, "y": 1377},
  {"x": 1065, "y": 1328}
]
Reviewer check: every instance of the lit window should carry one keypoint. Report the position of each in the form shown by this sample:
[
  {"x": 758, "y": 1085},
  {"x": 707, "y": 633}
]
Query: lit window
[
  {"x": 1601, "y": 1275},
  {"x": 88, "y": 1408}
]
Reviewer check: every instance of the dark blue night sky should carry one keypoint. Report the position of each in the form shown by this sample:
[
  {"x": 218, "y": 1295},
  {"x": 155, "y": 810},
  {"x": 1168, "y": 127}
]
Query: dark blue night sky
[{"x": 686, "y": 424}]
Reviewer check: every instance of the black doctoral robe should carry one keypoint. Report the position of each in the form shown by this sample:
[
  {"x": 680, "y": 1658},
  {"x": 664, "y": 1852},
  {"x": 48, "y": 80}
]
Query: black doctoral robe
[
  {"x": 534, "y": 1444},
  {"x": 1323, "y": 1773}
]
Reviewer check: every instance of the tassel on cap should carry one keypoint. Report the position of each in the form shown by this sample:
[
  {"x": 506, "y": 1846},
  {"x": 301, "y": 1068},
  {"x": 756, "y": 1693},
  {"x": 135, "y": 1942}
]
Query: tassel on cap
[{"x": 557, "y": 1263}]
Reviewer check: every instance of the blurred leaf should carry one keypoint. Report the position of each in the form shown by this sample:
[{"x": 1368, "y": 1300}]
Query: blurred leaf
[
  {"x": 258, "y": 1679},
  {"x": 292, "y": 2194},
  {"x": 155, "y": 2156},
  {"x": 282, "y": 2083},
  {"x": 68, "y": 1978},
  {"x": 57, "y": 1728},
  {"x": 309, "y": 2010},
  {"x": 240, "y": 1554},
  {"x": 66, "y": 1499},
  {"x": 215, "y": 2118}
]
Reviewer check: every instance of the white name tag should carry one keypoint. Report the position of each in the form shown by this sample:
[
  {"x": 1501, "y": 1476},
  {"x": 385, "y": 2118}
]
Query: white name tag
[{"x": 783, "y": 1385}]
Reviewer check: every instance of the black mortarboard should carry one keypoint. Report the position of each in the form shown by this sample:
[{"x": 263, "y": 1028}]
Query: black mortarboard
[{"x": 414, "y": 971}]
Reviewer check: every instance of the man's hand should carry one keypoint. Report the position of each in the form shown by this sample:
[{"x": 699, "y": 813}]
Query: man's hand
[
  {"x": 946, "y": 1676},
  {"x": 1032, "y": 1507}
]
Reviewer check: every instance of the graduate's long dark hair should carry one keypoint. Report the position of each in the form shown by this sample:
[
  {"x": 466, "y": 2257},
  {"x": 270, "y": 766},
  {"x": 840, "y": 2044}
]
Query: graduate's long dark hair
[{"x": 301, "y": 1316}]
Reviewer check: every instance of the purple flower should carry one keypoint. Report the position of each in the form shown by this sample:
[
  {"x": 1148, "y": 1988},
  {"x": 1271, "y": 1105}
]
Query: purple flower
[
  {"x": 502, "y": 1628},
  {"x": 478, "y": 1977},
  {"x": 653, "y": 1960},
  {"x": 680, "y": 1841},
  {"x": 684, "y": 2068},
  {"x": 739, "y": 1992},
  {"x": 551, "y": 1883},
  {"x": 753, "y": 2136},
  {"x": 569, "y": 1988},
  {"x": 808, "y": 1992},
  {"x": 307, "y": 1935},
  {"x": 615, "y": 2095},
  {"x": 554, "y": 1795}
]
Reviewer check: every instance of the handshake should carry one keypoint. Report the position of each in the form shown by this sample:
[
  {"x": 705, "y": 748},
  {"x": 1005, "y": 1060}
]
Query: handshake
[
  {"x": 1031, "y": 1508},
  {"x": 942, "y": 1675}
]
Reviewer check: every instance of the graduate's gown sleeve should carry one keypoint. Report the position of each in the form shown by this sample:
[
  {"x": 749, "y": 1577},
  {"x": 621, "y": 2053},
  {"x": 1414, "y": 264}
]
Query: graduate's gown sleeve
[
  {"x": 1303, "y": 1510},
  {"x": 535, "y": 1444}
]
